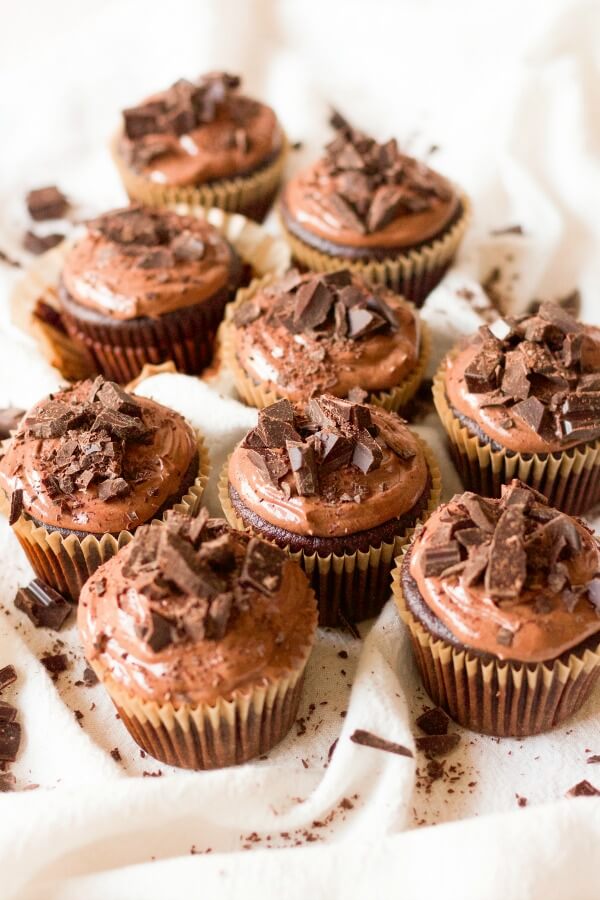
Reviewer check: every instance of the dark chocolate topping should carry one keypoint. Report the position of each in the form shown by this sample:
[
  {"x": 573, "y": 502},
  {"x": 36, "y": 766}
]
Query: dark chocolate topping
[
  {"x": 510, "y": 546},
  {"x": 194, "y": 573},
  {"x": 146, "y": 234},
  {"x": 544, "y": 369},
  {"x": 332, "y": 433},
  {"x": 46, "y": 203},
  {"x": 328, "y": 305},
  {"x": 375, "y": 182}
]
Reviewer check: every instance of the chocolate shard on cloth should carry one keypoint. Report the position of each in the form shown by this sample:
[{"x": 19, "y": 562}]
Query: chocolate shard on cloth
[
  {"x": 44, "y": 606},
  {"x": 332, "y": 434}
]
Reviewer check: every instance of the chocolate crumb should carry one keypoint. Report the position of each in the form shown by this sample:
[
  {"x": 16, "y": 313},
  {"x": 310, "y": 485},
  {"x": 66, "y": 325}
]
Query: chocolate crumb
[{"x": 437, "y": 744}]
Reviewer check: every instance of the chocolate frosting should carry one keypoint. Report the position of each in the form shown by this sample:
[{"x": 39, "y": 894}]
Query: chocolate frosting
[
  {"x": 531, "y": 383},
  {"x": 510, "y": 577},
  {"x": 139, "y": 261},
  {"x": 199, "y": 133},
  {"x": 307, "y": 334},
  {"x": 366, "y": 195},
  {"x": 338, "y": 468},
  {"x": 191, "y": 611},
  {"x": 95, "y": 459}
]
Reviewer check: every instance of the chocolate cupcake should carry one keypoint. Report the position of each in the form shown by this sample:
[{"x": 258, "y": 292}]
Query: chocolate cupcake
[
  {"x": 340, "y": 486},
  {"x": 144, "y": 286},
  {"x": 522, "y": 399},
  {"x": 86, "y": 467},
  {"x": 502, "y": 602},
  {"x": 308, "y": 334},
  {"x": 370, "y": 207},
  {"x": 204, "y": 144},
  {"x": 201, "y": 636}
]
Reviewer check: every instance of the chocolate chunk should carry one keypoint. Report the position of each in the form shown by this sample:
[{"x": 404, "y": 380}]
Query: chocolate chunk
[
  {"x": 90, "y": 679},
  {"x": 263, "y": 566},
  {"x": 335, "y": 451},
  {"x": 367, "y": 453},
  {"x": 471, "y": 537},
  {"x": 507, "y": 568},
  {"x": 55, "y": 663},
  {"x": 313, "y": 304},
  {"x": 482, "y": 512},
  {"x": 434, "y": 721},
  {"x": 560, "y": 318},
  {"x": 38, "y": 243},
  {"x": 345, "y": 214},
  {"x": 247, "y": 313},
  {"x": 396, "y": 443},
  {"x": 433, "y": 745},
  {"x": 273, "y": 466},
  {"x": 186, "y": 246},
  {"x": 438, "y": 558},
  {"x": 273, "y": 430},
  {"x": 114, "y": 397},
  {"x": 9, "y": 421},
  {"x": 54, "y": 419},
  {"x": 44, "y": 606},
  {"x": 139, "y": 121},
  {"x": 533, "y": 413},
  {"x": 583, "y": 789},
  {"x": 476, "y": 564},
  {"x": 386, "y": 204},
  {"x": 16, "y": 506},
  {"x": 304, "y": 467},
  {"x": 515, "y": 381},
  {"x": 589, "y": 382},
  {"x": 367, "y": 739},
  {"x": 7, "y": 782},
  {"x": 8, "y": 676},
  {"x": 518, "y": 494},
  {"x": 481, "y": 375},
  {"x": 46, "y": 203},
  {"x": 119, "y": 425},
  {"x": 362, "y": 322},
  {"x": 10, "y": 739},
  {"x": 504, "y": 637},
  {"x": 8, "y": 712},
  {"x": 156, "y": 632},
  {"x": 112, "y": 489}
]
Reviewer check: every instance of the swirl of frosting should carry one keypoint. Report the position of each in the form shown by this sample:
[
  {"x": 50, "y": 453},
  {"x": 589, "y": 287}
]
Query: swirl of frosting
[
  {"x": 530, "y": 383},
  {"x": 308, "y": 334},
  {"x": 341, "y": 480},
  {"x": 198, "y": 133},
  {"x": 94, "y": 459},
  {"x": 510, "y": 577},
  {"x": 192, "y": 612},
  {"x": 143, "y": 262}
]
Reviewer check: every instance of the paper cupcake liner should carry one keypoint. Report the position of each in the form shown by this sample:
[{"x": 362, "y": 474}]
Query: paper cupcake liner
[
  {"x": 258, "y": 395},
  {"x": 569, "y": 479},
  {"x": 357, "y": 585},
  {"x": 186, "y": 337},
  {"x": 251, "y": 195},
  {"x": 262, "y": 252},
  {"x": 66, "y": 562},
  {"x": 502, "y": 698},
  {"x": 412, "y": 274}
]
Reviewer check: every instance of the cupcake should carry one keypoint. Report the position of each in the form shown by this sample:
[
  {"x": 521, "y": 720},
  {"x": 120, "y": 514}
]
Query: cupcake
[
  {"x": 144, "y": 286},
  {"x": 201, "y": 635},
  {"x": 370, "y": 207},
  {"x": 340, "y": 486},
  {"x": 309, "y": 334},
  {"x": 502, "y": 600},
  {"x": 86, "y": 467},
  {"x": 204, "y": 144},
  {"x": 522, "y": 399}
]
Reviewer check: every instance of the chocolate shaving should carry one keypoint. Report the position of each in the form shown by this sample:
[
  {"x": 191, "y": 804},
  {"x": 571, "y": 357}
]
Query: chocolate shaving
[
  {"x": 42, "y": 605},
  {"x": 304, "y": 467},
  {"x": 262, "y": 567},
  {"x": 507, "y": 568},
  {"x": 367, "y": 739},
  {"x": 8, "y": 676},
  {"x": 38, "y": 244},
  {"x": 16, "y": 506}
]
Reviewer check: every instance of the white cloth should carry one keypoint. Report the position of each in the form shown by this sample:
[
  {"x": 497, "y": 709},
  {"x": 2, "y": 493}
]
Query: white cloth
[{"x": 511, "y": 96}]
